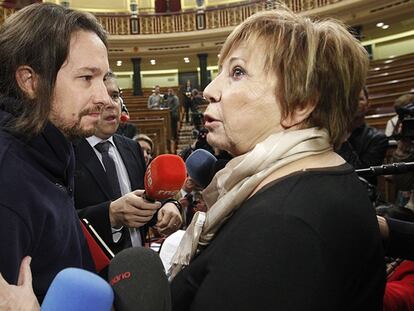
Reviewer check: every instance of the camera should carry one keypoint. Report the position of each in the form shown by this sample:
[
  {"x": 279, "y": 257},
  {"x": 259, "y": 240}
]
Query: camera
[
  {"x": 200, "y": 134},
  {"x": 406, "y": 119}
]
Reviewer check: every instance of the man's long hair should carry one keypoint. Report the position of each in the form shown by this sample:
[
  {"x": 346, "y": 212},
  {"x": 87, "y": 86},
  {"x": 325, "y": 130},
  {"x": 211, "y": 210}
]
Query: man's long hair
[{"x": 38, "y": 36}]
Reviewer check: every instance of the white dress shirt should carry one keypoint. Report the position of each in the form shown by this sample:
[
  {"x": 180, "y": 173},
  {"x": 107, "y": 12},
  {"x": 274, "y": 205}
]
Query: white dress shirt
[{"x": 124, "y": 183}]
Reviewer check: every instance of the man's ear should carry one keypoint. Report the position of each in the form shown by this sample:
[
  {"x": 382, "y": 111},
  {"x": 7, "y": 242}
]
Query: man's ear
[
  {"x": 27, "y": 80},
  {"x": 300, "y": 114}
]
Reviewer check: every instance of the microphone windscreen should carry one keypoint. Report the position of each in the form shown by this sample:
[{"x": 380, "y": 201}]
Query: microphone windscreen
[
  {"x": 124, "y": 118},
  {"x": 75, "y": 289},
  {"x": 164, "y": 177},
  {"x": 201, "y": 166},
  {"x": 138, "y": 279}
]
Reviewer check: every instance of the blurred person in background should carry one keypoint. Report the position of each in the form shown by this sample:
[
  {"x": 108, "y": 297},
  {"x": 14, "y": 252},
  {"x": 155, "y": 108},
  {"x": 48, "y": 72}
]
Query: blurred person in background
[{"x": 147, "y": 146}]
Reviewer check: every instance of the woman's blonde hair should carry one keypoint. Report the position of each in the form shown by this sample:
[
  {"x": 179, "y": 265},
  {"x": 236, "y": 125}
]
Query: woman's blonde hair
[
  {"x": 317, "y": 63},
  {"x": 145, "y": 138}
]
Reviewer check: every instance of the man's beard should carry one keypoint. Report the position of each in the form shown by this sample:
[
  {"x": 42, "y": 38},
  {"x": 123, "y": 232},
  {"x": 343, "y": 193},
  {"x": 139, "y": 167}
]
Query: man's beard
[{"x": 76, "y": 130}]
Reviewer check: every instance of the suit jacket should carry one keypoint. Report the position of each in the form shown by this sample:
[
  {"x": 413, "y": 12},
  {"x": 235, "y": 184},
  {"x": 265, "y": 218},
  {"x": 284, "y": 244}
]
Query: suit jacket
[{"x": 93, "y": 191}]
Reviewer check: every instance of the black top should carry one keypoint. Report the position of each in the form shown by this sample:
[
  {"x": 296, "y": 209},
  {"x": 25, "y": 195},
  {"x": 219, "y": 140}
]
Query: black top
[
  {"x": 37, "y": 215},
  {"x": 307, "y": 242}
]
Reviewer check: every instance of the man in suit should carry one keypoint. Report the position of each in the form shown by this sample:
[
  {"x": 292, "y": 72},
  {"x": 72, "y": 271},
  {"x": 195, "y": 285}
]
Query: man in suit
[{"x": 112, "y": 212}]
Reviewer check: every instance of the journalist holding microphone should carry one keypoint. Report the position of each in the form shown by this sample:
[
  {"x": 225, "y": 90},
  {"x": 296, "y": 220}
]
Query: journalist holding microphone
[{"x": 274, "y": 236}]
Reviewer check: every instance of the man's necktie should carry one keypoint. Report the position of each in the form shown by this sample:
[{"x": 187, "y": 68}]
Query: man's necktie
[{"x": 108, "y": 162}]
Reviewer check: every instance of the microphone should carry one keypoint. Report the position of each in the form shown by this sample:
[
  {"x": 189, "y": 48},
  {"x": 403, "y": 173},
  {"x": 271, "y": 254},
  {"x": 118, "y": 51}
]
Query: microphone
[
  {"x": 124, "y": 118},
  {"x": 387, "y": 169},
  {"x": 201, "y": 166},
  {"x": 165, "y": 176},
  {"x": 138, "y": 279},
  {"x": 74, "y": 289}
]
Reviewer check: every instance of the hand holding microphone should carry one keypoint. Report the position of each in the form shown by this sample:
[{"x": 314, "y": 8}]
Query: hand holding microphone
[
  {"x": 165, "y": 176},
  {"x": 132, "y": 210},
  {"x": 163, "y": 179},
  {"x": 168, "y": 219}
]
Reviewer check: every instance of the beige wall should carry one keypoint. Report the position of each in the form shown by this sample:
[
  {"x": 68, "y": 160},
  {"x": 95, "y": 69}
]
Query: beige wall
[
  {"x": 167, "y": 78},
  {"x": 219, "y": 2},
  {"x": 146, "y": 6},
  {"x": 163, "y": 79},
  {"x": 101, "y": 5},
  {"x": 111, "y": 6},
  {"x": 148, "y": 79},
  {"x": 191, "y": 4},
  {"x": 124, "y": 80},
  {"x": 395, "y": 47}
]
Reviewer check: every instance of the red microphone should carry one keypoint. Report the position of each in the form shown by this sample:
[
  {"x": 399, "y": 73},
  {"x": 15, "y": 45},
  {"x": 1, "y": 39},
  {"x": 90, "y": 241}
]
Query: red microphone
[
  {"x": 124, "y": 117},
  {"x": 165, "y": 176}
]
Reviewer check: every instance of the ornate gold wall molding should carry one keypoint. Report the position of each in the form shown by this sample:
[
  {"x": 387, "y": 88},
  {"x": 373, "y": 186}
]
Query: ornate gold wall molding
[{"x": 208, "y": 18}]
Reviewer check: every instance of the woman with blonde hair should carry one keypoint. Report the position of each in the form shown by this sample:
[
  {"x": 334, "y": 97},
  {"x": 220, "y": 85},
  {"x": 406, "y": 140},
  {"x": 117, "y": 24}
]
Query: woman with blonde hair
[
  {"x": 147, "y": 146},
  {"x": 288, "y": 226}
]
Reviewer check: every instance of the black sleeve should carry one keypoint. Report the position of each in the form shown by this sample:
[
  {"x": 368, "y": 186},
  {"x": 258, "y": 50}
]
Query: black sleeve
[
  {"x": 374, "y": 154},
  {"x": 15, "y": 244},
  {"x": 401, "y": 239},
  {"x": 98, "y": 216}
]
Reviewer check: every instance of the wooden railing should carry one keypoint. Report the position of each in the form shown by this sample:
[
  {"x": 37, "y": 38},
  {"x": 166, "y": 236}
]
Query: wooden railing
[{"x": 209, "y": 18}]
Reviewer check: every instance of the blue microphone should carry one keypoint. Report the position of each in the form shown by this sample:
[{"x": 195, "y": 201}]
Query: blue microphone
[
  {"x": 201, "y": 167},
  {"x": 75, "y": 289}
]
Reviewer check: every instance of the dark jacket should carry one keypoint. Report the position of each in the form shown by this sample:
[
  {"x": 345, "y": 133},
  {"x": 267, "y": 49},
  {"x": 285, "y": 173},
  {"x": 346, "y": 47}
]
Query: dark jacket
[
  {"x": 364, "y": 148},
  {"x": 92, "y": 189},
  {"x": 127, "y": 129},
  {"x": 37, "y": 215}
]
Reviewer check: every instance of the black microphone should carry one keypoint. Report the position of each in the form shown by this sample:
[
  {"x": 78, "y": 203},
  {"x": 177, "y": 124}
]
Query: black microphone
[
  {"x": 387, "y": 169},
  {"x": 138, "y": 279}
]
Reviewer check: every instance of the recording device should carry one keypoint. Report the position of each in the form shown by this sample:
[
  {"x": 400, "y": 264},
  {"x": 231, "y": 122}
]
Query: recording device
[
  {"x": 138, "y": 279},
  {"x": 387, "y": 169},
  {"x": 201, "y": 167},
  {"x": 165, "y": 176},
  {"x": 75, "y": 289},
  {"x": 101, "y": 253},
  {"x": 406, "y": 119},
  {"x": 201, "y": 142}
]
